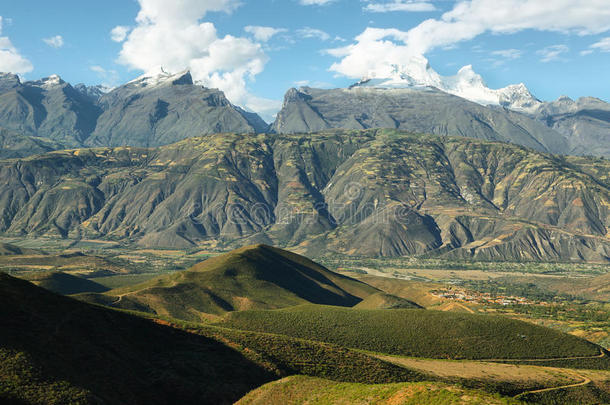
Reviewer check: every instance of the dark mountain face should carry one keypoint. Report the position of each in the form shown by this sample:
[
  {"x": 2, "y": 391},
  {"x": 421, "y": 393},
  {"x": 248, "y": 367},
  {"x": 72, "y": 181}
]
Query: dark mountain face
[
  {"x": 149, "y": 111},
  {"x": 373, "y": 192}
]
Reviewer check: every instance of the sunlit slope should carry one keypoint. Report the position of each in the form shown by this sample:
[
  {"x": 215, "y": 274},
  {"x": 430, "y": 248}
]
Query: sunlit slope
[
  {"x": 417, "y": 333},
  {"x": 253, "y": 277},
  {"x": 316, "y": 391}
]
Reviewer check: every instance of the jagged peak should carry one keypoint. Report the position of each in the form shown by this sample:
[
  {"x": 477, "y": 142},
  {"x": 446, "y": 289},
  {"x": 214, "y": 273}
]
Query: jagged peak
[
  {"x": 47, "y": 82},
  {"x": 295, "y": 94},
  {"x": 9, "y": 76},
  {"x": 417, "y": 73},
  {"x": 159, "y": 77}
]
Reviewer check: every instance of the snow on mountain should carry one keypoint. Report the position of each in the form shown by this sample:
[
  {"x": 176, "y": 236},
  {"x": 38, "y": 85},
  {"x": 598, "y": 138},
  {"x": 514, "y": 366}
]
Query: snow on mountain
[
  {"x": 47, "y": 82},
  {"x": 160, "y": 76},
  {"x": 466, "y": 84}
]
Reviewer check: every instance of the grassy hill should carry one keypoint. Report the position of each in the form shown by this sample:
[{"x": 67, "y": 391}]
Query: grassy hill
[
  {"x": 56, "y": 350},
  {"x": 383, "y": 300},
  {"x": 7, "y": 249},
  {"x": 62, "y": 283},
  {"x": 316, "y": 391},
  {"x": 417, "y": 333},
  {"x": 253, "y": 277}
]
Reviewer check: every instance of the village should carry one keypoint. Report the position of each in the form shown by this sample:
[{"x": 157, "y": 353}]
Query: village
[{"x": 475, "y": 297}]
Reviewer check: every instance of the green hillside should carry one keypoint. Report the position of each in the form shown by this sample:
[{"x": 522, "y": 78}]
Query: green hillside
[
  {"x": 7, "y": 249},
  {"x": 62, "y": 283},
  {"x": 56, "y": 350},
  {"x": 316, "y": 391},
  {"x": 383, "y": 300},
  {"x": 253, "y": 277},
  {"x": 417, "y": 333}
]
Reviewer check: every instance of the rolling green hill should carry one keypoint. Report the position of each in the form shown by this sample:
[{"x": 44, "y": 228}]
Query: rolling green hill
[
  {"x": 383, "y": 300},
  {"x": 7, "y": 249},
  {"x": 253, "y": 277},
  {"x": 417, "y": 333},
  {"x": 56, "y": 350}
]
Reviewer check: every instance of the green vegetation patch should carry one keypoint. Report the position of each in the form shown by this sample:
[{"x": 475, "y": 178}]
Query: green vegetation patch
[
  {"x": 315, "y": 391},
  {"x": 417, "y": 333}
]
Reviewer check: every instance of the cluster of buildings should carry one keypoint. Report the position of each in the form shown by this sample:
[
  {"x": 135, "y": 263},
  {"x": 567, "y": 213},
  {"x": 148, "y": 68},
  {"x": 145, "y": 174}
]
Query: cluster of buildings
[{"x": 476, "y": 297}]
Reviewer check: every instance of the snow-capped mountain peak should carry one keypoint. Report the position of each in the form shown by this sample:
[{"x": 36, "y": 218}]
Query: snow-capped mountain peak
[
  {"x": 47, "y": 82},
  {"x": 160, "y": 76},
  {"x": 466, "y": 84}
]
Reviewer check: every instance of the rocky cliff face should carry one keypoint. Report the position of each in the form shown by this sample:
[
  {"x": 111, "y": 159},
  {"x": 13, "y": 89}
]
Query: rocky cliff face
[{"x": 371, "y": 192}]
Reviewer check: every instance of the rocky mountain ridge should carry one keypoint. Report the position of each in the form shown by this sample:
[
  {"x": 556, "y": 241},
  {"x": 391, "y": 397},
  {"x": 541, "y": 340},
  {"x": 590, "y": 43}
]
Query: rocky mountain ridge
[{"x": 366, "y": 193}]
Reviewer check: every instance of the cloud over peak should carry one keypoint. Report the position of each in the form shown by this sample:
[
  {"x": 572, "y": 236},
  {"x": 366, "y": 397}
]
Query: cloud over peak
[
  {"x": 172, "y": 35},
  {"x": 375, "y": 50}
]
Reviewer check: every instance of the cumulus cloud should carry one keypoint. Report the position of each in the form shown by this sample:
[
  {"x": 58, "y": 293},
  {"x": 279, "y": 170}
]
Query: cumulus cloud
[
  {"x": 552, "y": 53},
  {"x": 263, "y": 34},
  {"x": 375, "y": 51},
  {"x": 172, "y": 35},
  {"x": 119, "y": 33},
  {"x": 399, "y": 5},
  {"x": 10, "y": 58},
  {"x": 54, "y": 42}
]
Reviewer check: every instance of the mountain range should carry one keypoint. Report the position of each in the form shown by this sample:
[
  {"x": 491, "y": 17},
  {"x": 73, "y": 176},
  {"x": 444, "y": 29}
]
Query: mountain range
[
  {"x": 149, "y": 111},
  {"x": 162, "y": 108},
  {"x": 368, "y": 193}
]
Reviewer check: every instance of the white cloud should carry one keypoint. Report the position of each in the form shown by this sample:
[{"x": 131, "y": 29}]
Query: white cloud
[
  {"x": 171, "y": 35},
  {"x": 552, "y": 53},
  {"x": 315, "y": 2},
  {"x": 10, "y": 58},
  {"x": 309, "y": 32},
  {"x": 399, "y": 5},
  {"x": 263, "y": 34},
  {"x": 54, "y": 42},
  {"x": 119, "y": 33},
  {"x": 375, "y": 51},
  {"x": 603, "y": 45}
]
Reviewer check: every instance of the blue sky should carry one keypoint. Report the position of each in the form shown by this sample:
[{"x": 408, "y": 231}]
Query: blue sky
[{"x": 551, "y": 45}]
